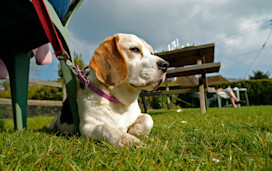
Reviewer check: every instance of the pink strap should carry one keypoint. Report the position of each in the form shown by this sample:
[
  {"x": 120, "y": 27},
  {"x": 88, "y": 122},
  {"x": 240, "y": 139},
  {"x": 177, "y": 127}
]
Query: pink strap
[
  {"x": 3, "y": 70},
  {"x": 84, "y": 80},
  {"x": 43, "y": 54}
]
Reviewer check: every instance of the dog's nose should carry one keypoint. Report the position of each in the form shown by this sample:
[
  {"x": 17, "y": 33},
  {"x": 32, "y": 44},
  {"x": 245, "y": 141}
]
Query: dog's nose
[{"x": 163, "y": 65}]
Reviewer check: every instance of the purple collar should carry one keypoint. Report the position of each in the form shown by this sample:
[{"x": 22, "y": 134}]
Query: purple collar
[{"x": 84, "y": 80}]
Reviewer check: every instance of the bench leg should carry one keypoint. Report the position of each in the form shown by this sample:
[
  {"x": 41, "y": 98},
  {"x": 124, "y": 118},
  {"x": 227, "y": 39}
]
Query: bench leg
[
  {"x": 145, "y": 104},
  {"x": 168, "y": 101},
  {"x": 18, "y": 67},
  {"x": 193, "y": 102}
]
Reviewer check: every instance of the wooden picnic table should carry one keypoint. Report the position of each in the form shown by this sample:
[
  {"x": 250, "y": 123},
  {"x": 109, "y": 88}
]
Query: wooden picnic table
[
  {"x": 189, "y": 55},
  {"x": 192, "y": 60}
]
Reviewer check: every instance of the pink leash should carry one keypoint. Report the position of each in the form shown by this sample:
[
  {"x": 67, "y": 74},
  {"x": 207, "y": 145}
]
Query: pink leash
[{"x": 84, "y": 80}]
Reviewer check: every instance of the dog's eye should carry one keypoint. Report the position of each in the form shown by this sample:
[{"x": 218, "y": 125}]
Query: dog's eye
[{"x": 135, "y": 49}]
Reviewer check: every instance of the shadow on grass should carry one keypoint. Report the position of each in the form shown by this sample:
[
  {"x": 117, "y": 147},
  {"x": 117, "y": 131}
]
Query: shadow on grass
[
  {"x": 2, "y": 125},
  {"x": 6, "y": 125},
  {"x": 45, "y": 130},
  {"x": 159, "y": 111}
]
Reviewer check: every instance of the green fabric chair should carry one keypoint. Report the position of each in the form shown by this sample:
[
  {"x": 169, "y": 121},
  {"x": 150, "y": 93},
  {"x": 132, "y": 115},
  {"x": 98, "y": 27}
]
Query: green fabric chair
[
  {"x": 22, "y": 32},
  {"x": 211, "y": 97}
]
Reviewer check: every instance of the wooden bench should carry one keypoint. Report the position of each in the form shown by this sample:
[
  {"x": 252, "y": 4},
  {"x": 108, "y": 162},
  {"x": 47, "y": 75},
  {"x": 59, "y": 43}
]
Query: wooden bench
[{"x": 193, "y": 60}]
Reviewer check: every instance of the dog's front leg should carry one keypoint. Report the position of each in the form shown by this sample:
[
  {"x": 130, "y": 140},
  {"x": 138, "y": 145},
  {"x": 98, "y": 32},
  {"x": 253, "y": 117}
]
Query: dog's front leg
[
  {"x": 109, "y": 134},
  {"x": 142, "y": 126}
]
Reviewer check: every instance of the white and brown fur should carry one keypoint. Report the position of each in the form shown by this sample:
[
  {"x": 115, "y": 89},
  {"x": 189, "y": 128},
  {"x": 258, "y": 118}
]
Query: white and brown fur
[{"x": 122, "y": 66}]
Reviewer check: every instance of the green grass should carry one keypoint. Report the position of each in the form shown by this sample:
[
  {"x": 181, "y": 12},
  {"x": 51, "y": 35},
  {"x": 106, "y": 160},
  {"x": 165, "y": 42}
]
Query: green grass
[{"x": 239, "y": 138}]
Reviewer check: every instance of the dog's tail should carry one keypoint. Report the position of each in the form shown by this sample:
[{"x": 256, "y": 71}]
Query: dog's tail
[{"x": 53, "y": 126}]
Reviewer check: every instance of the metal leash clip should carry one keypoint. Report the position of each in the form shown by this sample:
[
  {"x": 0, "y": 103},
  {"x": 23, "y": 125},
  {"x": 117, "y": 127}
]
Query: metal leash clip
[
  {"x": 72, "y": 67},
  {"x": 66, "y": 56}
]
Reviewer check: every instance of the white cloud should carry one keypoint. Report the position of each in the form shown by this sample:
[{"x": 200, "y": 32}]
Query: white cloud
[
  {"x": 82, "y": 46},
  {"x": 192, "y": 21}
]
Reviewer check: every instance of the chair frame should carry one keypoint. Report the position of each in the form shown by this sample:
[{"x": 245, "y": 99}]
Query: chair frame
[{"x": 18, "y": 62}]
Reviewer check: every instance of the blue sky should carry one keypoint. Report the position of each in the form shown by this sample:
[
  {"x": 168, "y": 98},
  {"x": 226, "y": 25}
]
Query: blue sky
[{"x": 240, "y": 30}]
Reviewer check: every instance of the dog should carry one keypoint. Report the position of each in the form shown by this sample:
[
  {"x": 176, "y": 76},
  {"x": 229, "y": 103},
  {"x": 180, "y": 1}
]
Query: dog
[{"x": 122, "y": 66}]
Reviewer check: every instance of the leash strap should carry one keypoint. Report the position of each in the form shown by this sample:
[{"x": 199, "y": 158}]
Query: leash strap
[
  {"x": 48, "y": 27},
  {"x": 52, "y": 34},
  {"x": 84, "y": 80},
  {"x": 55, "y": 41}
]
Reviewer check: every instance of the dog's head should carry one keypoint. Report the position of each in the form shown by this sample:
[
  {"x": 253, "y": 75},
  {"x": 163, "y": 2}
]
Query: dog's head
[{"x": 127, "y": 58}]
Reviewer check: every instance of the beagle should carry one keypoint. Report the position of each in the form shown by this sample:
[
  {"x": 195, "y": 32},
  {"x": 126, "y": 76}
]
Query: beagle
[{"x": 121, "y": 67}]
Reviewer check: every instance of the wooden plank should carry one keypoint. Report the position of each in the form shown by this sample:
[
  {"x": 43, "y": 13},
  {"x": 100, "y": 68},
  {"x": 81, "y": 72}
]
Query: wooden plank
[
  {"x": 193, "y": 70},
  {"x": 44, "y": 83},
  {"x": 34, "y": 102},
  {"x": 180, "y": 91},
  {"x": 177, "y": 87},
  {"x": 188, "y": 55},
  {"x": 5, "y": 101},
  {"x": 44, "y": 103}
]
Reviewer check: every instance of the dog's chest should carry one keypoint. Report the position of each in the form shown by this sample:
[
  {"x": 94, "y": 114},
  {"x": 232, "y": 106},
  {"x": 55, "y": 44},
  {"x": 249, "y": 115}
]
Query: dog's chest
[{"x": 110, "y": 113}]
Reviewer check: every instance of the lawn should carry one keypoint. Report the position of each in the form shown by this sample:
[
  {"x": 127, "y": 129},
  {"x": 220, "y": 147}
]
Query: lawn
[{"x": 222, "y": 139}]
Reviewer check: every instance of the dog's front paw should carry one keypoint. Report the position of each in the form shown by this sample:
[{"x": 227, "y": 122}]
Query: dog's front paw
[{"x": 126, "y": 139}]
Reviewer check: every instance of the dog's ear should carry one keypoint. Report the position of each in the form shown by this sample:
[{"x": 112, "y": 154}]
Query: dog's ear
[{"x": 108, "y": 62}]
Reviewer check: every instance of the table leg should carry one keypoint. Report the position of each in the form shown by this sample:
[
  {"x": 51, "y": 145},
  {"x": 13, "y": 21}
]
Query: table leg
[
  {"x": 167, "y": 96},
  {"x": 201, "y": 88},
  {"x": 145, "y": 104}
]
